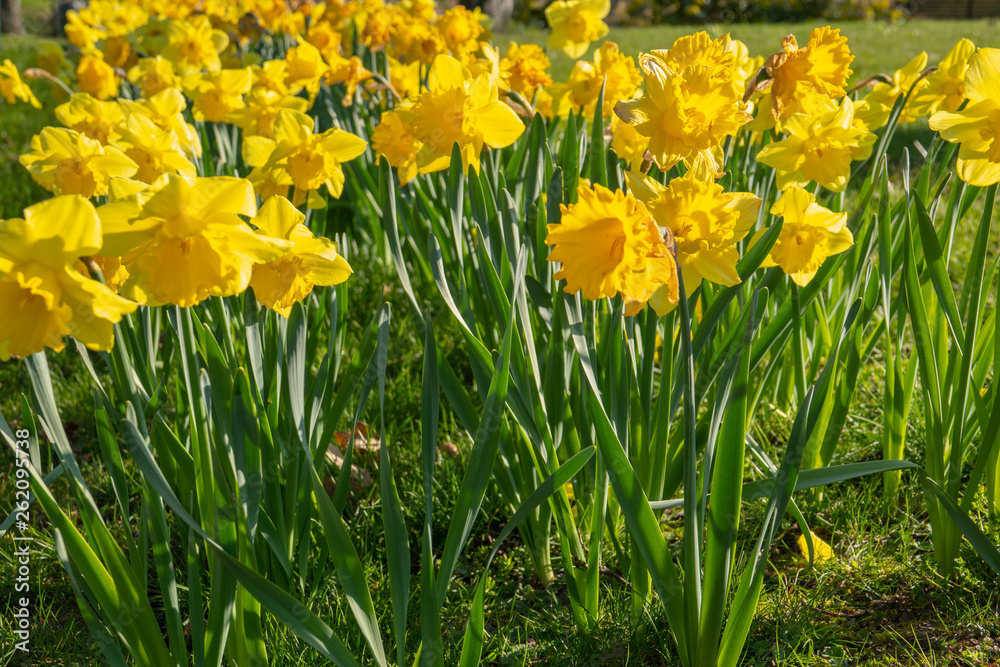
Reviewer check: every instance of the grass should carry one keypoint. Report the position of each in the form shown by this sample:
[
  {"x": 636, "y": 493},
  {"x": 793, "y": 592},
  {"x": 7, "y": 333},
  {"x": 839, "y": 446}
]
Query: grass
[
  {"x": 879, "y": 601},
  {"x": 18, "y": 122},
  {"x": 868, "y": 40}
]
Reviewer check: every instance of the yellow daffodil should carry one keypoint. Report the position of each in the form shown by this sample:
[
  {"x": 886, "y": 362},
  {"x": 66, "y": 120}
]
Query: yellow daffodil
[
  {"x": 272, "y": 76},
  {"x": 611, "y": 68},
  {"x": 945, "y": 89},
  {"x": 101, "y": 121},
  {"x": 117, "y": 52},
  {"x": 809, "y": 234},
  {"x": 393, "y": 138},
  {"x": 81, "y": 35},
  {"x": 41, "y": 282},
  {"x": 524, "y": 68},
  {"x": 13, "y": 88},
  {"x": 262, "y": 107},
  {"x": 66, "y": 162},
  {"x": 217, "y": 94},
  {"x": 405, "y": 78},
  {"x": 118, "y": 17},
  {"x": 166, "y": 110},
  {"x": 310, "y": 261},
  {"x": 96, "y": 77},
  {"x": 186, "y": 241},
  {"x": 193, "y": 45},
  {"x": 976, "y": 127},
  {"x": 350, "y": 72},
  {"x": 575, "y": 24},
  {"x": 305, "y": 68},
  {"x": 460, "y": 109},
  {"x": 822, "y": 67},
  {"x": 155, "y": 151},
  {"x": 819, "y": 148},
  {"x": 153, "y": 37},
  {"x": 461, "y": 30},
  {"x": 706, "y": 223},
  {"x": 416, "y": 41},
  {"x": 487, "y": 62},
  {"x": 308, "y": 160},
  {"x": 697, "y": 49},
  {"x": 686, "y": 114},
  {"x": 325, "y": 38},
  {"x": 880, "y": 99},
  {"x": 153, "y": 75},
  {"x": 608, "y": 244},
  {"x": 746, "y": 67},
  {"x": 421, "y": 9},
  {"x": 374, "y": 27}
]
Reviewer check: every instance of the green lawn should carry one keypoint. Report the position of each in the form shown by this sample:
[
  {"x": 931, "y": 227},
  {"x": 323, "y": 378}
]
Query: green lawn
[
  {"x": 18, "y": 122},
  {"x": 878, "y": 47}
]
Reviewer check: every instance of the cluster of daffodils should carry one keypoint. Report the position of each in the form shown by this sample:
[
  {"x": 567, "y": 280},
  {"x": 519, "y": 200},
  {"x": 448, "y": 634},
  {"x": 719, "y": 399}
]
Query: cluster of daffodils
[
  {"x": 194, "y": 135},
  {"x": 177, "y": 241},
  {"x": 701, "y": 93},
  {"x": 635, "y": 243}
]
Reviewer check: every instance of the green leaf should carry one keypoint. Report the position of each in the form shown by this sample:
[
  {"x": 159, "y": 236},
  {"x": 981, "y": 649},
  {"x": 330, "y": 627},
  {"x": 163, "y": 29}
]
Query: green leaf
[
  {"x": 481, "y": 458},
  {"x": 299, "y": 619},
  {"x": 598, "y": 168},
  {"x": 472, "y": 645}
]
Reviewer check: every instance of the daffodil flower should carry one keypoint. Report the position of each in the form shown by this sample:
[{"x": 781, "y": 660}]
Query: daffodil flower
[
  {"x": 257, "y": 118},
  {"x": 822, "y": 67},
  {"x": 101, "y": 121},
  {"x": 13, "y": 88},
  {"x": 310, "y": 261},
  {"x": 575, "y": 24},
  {"x": 809, "y": 235},
  {"x": 524, "y": 69},
  {"x": 976, "y": 127},
  {"x": 393, "y": 137},
  {"x": 40, "y": 280},
  {"x": 460, "y": 109},
  {"x": 686, "y": 114},
  {"x": 819, "y": 148},
  {"x": 306, "y": 160},
  {"x": 348, "y": 71},
  {"x": 945, "y": 89},
  {"x": 217, "y": 94},
  {"x": 705, "y": 221},
  {"x": 153, "y": 75},
  {"x": 611, "y": 68},
  {"x": 305, "y": 68},
  {"x": 68, "y": 163},
  {"x": 166, "y": 110},
  {"x": 96, "y": 77},
  {"x": 155, "y": 151},
  {"x": 879, "y": 101},
  {"x": 461, "y": 30},
  {"x": 607, "y": 243},
  {"x": 193, "y": 45},
  {"x": 184, "y": 240}
]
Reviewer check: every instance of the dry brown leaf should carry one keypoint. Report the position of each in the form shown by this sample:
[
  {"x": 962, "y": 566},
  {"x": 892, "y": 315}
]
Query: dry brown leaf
[
  {"x": 366, "y": 442},
  {"x": 361, "y": 479},
  {"x": 449, "y": 448}
]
